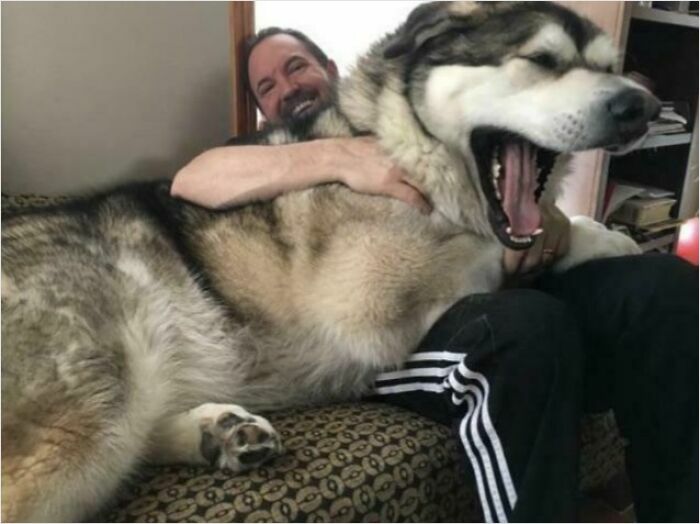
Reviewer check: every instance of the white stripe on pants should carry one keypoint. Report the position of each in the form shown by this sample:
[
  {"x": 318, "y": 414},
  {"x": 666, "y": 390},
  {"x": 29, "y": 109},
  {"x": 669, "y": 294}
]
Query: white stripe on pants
[{"x": 476, "y": 394}]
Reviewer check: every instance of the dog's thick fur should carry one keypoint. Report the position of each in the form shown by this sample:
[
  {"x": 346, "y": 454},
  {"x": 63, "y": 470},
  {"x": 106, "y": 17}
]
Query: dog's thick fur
[{"x": 123, "y": 310}]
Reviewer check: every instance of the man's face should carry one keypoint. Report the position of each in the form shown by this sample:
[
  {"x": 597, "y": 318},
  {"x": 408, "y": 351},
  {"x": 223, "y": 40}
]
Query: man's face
[{"x": 287, "y": 80}]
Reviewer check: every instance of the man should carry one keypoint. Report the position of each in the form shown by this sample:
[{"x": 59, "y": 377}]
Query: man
[
  {"x": 222, "y": 177},
  {"x": 511, "y": 371}
]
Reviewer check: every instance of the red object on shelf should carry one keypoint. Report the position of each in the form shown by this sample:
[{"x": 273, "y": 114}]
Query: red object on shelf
[{"x": 687, "y": 246}]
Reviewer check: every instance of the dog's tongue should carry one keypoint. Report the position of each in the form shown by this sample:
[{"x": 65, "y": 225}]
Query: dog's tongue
[{"x": 519, "y": 161}]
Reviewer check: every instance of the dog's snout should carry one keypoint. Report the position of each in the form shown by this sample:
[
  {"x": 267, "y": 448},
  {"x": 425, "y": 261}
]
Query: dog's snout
[
  {"x": 627, "y": 106},
  {"x": 631, "y": 110}
]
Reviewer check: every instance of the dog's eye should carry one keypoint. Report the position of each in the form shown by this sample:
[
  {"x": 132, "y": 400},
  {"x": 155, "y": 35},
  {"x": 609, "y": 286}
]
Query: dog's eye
[{"x": 546, "y": 60}]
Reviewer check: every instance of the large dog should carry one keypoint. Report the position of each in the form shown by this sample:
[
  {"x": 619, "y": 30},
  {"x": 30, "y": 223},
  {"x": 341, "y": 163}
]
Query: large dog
[{"x": 131, "y": 321}]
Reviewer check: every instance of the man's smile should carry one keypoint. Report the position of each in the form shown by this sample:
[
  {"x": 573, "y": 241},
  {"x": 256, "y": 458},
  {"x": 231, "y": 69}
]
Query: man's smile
[{"x": 303, "y": 107}]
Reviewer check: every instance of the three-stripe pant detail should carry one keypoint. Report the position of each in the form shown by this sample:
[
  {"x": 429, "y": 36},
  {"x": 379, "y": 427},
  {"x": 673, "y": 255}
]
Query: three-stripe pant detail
[{"x": 445, "y": 373}]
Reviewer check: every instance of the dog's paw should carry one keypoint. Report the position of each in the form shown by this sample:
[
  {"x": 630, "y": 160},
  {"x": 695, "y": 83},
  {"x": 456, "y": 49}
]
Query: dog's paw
[
  {"x": 232, "y": 438},
  {"x": 591, "y": 240}
]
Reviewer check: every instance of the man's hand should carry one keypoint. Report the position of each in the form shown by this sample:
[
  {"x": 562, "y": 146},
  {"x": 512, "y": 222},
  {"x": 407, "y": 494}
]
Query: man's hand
[
  {"x": 549, "y": 246},
  {"x": 365, "y": 168}
]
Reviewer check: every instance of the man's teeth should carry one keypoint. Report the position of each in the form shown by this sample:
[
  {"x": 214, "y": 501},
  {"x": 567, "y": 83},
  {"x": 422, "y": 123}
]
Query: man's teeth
[{"x": 301, "y": 107}]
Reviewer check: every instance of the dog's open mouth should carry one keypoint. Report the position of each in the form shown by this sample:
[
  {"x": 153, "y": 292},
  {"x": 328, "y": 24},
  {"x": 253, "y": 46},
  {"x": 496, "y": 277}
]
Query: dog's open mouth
[{"x": 513, "y": 172}]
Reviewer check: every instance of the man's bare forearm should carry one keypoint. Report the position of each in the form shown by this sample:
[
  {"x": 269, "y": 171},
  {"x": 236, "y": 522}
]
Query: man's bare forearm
[{"x": 226, "y": 176}]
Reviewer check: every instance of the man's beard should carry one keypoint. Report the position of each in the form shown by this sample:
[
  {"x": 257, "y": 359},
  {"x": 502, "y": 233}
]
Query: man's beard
[{"x": 294, "y": 111}]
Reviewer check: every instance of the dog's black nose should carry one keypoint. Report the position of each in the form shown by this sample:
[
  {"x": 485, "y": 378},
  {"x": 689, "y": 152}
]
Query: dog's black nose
[{"x": 631, "y": 110}]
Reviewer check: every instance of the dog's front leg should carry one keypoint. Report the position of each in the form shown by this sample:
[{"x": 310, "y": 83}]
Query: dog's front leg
[
  {"x": 222, "y": 435},
  {"x": 590, "y": 240}
]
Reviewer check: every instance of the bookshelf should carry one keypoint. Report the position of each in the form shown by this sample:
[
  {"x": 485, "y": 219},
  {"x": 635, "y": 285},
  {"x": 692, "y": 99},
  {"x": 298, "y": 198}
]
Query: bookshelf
[
  {"x": 658, "y": 243},
  {"x": 651, "y": 14},
  {"x": 666, "y": 140},
  {"x": 662, "y": 46}
]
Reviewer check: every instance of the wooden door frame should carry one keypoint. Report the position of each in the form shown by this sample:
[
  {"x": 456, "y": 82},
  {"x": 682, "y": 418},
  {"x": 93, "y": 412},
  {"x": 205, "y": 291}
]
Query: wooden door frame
[{"x": 241, "y": 27}]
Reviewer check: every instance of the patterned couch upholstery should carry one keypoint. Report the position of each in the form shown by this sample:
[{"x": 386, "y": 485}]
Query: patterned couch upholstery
[{"x": 360, "y": 462}]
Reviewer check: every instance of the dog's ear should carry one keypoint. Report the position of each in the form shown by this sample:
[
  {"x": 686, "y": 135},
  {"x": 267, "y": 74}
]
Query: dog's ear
[{"x": 425, "y": 23}]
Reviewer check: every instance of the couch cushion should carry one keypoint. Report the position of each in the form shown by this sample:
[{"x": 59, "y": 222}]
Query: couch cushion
[
  {"x": 10, "y": 203},
  {"x": 352, "y": 462}
]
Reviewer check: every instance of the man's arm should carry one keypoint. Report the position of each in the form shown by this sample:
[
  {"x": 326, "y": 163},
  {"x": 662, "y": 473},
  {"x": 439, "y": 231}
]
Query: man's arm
[{"x": 227, "y": 176}]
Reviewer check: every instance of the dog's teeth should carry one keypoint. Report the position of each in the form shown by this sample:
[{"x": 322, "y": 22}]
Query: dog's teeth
[
  {"x": 537, "y": 232},
  {"x": 496, "y": 174},
  {"x": 520, "y": 240},
  {"x": 495, "y": 164},
  {"x": 497, "y": 191}
]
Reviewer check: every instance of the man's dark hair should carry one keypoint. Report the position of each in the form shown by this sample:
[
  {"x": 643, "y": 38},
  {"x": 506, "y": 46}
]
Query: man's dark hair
[{"x": 254, "y": 40}]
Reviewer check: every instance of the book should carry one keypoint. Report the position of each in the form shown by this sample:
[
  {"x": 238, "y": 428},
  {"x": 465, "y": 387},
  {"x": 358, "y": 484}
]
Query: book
[
  {"x": 643, "y": 212},
  {"x": 620, "y": 191},
  {"x": 670, "y": 119}
]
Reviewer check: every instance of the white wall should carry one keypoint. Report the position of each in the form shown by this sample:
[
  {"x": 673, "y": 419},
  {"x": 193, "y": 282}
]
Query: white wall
[
  {"x": 99, "y": 92},
  {"x": 343, "y": 29}
]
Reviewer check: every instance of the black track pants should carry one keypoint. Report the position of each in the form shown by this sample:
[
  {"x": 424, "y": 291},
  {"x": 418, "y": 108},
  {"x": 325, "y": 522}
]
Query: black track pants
[{"x": 513, "y": 371}]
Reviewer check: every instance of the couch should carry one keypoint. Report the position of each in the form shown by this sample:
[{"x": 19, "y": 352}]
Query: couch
[{"x": 360, "y": 462}]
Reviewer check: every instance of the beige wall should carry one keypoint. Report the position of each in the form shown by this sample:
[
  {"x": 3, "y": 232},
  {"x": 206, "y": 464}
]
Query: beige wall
[
  {"x": 98, "y": 93},
  {"x": 585, "y": 186}
]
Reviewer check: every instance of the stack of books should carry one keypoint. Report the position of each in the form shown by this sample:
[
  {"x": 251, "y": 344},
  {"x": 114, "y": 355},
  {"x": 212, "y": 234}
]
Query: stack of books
[
  {"x": 636, "y": 205},
  {"x": 643, "y": 213},
  {"x": 671, "y": 119}
]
